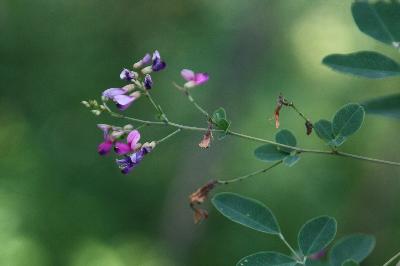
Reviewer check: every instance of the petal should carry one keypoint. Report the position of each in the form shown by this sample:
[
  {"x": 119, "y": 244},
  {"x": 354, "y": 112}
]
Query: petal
[
  {"x": 146, "y": 59},
  {"x": 156, "y": 55},
  {"x": 187, "y": 74},
  {"x": 133, "y": 138},
  {"x": 201, "y": 78},
  {"x": 112, "y": 92},
  {"x": 123, "y": 99},
  {"x": 122, "y": 148},
  {"x": 148, "y": 82},
  {"x": 158, "y": 65},
  {"x": 104, "y": 127},
  {"x": 104, "y": 147}
]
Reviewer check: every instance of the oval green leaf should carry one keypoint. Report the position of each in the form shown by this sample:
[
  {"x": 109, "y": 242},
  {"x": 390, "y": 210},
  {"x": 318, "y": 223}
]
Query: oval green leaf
[
  {"x": 218, "y": 115},
  {"x": 387, "y": 106},
  {"x": 350, "y": 263},
  {"x": 365, "y": 64},
  {"x": 269, "y": 153},
  {"x": 354, "y": 247},
  {"x": 291, "y": 160},
  {"x": 247, "y": 212},
  {"x": 379, "y": 20},
  {"x": 267, "y": 258},
  {"x": 285, "y": 137},
  {"x": 348, "y": 120},
  {"x": 316, "y": 234},
  {"x": 323, "y": 128}
]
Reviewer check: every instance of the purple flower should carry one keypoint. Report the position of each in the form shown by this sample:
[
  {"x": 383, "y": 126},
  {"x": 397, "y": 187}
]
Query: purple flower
[
  {"x": 127, "y": 163},
  {"x": 107, "y": 144},
  {"x": 112, "y": 92},
  {"x": 194, "y": 79},
  {"x": 123, "y": 101},
  {"x": 158, "y": 63},
  {"x": 144, "y": 61},
  {"x": 148, "y": 82},
  {"x": 128, "y": 75}
]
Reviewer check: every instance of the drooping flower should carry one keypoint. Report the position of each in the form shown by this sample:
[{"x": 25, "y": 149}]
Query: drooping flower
[
  {"x": 124, "y": 101},
  {"x": 158, "y": 63},
  {"x": 128, "y": 75},
  {"x": 132, "y": 143},
  {"x": 144, "y": 61},
  {"x": 107, "y": 144},
  {"x": 194, "y": 79},
  {"x": 127, "y": 163},
  {"x": 148, "y": 82},
  {"x": 112, "y": 92}
]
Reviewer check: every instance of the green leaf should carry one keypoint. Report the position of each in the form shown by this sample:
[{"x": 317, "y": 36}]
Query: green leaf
[
  {"x": 339, "y": 140},
  {"x": 269, "y": 153},
  {"x": 323, "y": 128},
  {"x": 223, "y": 124},
  {"x": 365, "y": 64},
  {"x": 247, "y": 212},
  {"x": 348, "y": 120},
  {"x": 218, "y": 115},
  {"x": 350, "y": 263},
  {"x": 291, "y": 160},
  {"x": 354, "y": 247},
  {"x": 386, "y": 106},
  {"x": 379, "y": 20},
  {"x": 316, "y": 234},
  {"x": 267, "y": 258},
  {"x": 285, "y": 137},
  {"x": 218, "y": 118}
]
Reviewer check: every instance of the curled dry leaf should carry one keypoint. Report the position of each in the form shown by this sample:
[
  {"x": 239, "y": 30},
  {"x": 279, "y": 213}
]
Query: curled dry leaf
[
  {"x": 206, "y": 141},
  {"x": 309, "y": 127},
  {"x": 198, "y": 197}
]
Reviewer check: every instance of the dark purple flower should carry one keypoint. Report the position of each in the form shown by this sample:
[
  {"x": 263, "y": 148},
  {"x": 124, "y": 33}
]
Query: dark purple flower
[
  {"x": 158, "y": 63},
  {"x": 144, "y": 61},
  {"x": 194, "y": 79},
  {"x": 148, "y": 82},
  {"x": 127, "y": 163},
  {"x": 128, "y": 75}
]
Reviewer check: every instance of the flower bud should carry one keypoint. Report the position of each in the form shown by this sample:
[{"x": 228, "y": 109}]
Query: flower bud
[
  {"x": 147, "y": 70},
  {"x": 117, "y": 134},
  {"x": 85, "y": 103},
  {"x": 93, "y": 103},
  {"x": 190, "y": 84},
  {"x": 135, "y": 94},
  {"x": 128, "y": 127},
  {"x": 96, "y": 112},
  {"x": 129, "y": 88}
]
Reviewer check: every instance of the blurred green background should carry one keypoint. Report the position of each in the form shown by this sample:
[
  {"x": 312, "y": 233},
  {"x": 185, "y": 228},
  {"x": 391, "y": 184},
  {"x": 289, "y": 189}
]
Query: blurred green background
[{"x": 62, "y": 204}]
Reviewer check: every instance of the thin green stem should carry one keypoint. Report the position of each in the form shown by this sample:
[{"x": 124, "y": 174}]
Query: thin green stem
[
  {"x": 191, "y": 99},
  {"x": 392, "y": 259},
  {"x": 168, "y": 136},
  {"x": 255, "y": 139},
  {"x": 157, "y": 107},
  {"x": 291, "y": 104},
  {"x": 240, "y": 178},
  {"x": 299, "y": 260}
]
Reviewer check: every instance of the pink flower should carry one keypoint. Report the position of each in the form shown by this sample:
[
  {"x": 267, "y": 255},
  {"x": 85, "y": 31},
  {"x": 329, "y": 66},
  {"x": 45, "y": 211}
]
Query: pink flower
[
  {"x": 194, "y": 79},
  {"x": 107, "y": 144},
  {"x": 131, "y": 145}
]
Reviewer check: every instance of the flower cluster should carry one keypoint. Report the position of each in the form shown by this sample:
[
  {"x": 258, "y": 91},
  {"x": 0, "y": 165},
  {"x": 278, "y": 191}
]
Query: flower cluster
[
  {"x": 140, "y": 81},
  {"x": 125, "y": 140},
  {"x": 132, "y": 150}
]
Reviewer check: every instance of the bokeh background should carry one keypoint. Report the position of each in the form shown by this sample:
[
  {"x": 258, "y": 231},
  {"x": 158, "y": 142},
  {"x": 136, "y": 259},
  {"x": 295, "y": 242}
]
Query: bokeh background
[{"x": 62, "y": 204}]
